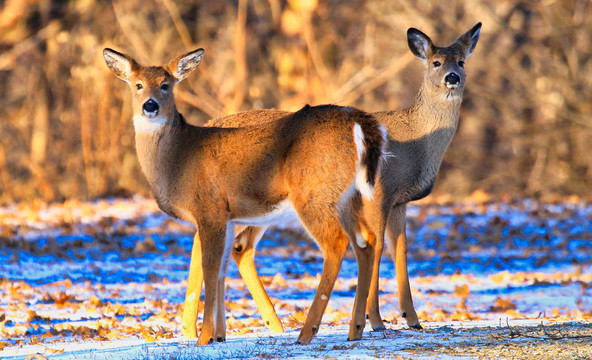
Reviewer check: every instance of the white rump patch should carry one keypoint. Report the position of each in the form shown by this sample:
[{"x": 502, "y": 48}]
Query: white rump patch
[
  {"x": 361, "y": 180},
  {"x": 146, "y": 125},
  {"x": 362, "y": 243}
]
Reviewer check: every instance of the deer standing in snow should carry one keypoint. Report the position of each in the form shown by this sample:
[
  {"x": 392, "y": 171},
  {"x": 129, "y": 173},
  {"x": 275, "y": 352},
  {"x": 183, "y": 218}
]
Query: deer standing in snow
[
  {"x": 309, "y": 164},
  {"x": 418, "y": 138}
]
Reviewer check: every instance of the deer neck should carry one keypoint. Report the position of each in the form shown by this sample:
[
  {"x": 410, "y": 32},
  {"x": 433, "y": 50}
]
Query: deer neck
[
  {"x": 157, "y": 146},
  {"x": 434, "y": 120},
  {"x": 420, "y": 135}
]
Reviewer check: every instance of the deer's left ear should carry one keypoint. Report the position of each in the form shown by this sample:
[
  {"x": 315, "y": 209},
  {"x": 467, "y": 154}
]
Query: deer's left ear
[
  {"x": 183, "y": 65},
  {"x": 468, "y": 40}
]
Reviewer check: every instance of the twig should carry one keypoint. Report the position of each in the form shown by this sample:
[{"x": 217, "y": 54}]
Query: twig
[
  {"x": 9, "y": 59},
  {"x": 562, "y": 336},
  {"x": 513, "y": 333},
  {"x": 240, "y": 59},
  {"x": 179, "y": 24},
  {"x": 365, "y": 81}
]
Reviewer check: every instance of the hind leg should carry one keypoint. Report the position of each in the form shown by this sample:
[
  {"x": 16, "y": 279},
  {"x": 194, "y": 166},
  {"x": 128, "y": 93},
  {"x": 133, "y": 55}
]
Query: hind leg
[
  {"x": 243, "y": 253},
  {"x": 364, "y": 249},
  {"x": 398, "y": 240},
  {"x": 373, "y": 224},
  {"x": 193, "y": 294},
  {"x": 372, "y": 306},
  {"x": 324, "y": 226}
]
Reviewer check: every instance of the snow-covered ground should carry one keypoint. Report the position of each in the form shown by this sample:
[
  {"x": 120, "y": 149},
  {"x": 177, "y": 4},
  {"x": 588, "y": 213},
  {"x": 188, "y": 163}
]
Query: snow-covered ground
[{"x": 106, "y": 279}]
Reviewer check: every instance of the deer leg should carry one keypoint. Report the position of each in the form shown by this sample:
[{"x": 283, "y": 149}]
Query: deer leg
[
  {"x": 372, "y": 223},
  {"x": 220, "y": 326},
  {"x": 398, "y": 240},
  {"x": 193, "y": 294},
  {"x": 333, "y": 242},
  {"x": 364, "y": 250},
  {"x": 243, "y": 253},
  {"x": 372, "y": 306},
  {"x": 212, "y": 249}
]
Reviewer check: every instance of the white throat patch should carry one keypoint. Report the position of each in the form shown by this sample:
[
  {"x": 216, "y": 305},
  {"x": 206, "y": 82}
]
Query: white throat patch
[
  {"x": 450, "y": 96},
  {"x": 146, "y": 125}
]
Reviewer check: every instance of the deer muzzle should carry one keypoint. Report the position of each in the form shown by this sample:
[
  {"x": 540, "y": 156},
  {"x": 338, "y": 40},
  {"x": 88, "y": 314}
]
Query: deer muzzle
[
  {"x": 452, "y": 80},
  {"x": 150, "y": 108}
]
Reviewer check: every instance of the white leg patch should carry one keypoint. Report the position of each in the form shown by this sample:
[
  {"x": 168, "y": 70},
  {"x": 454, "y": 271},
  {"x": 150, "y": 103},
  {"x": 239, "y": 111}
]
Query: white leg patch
[{"x": 362, "y": 243}]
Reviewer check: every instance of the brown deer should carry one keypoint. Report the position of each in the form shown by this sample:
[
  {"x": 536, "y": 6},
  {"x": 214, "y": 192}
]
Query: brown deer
[
  {"x": 309, "y": 163},
  {"x": 418, "y": 137}
]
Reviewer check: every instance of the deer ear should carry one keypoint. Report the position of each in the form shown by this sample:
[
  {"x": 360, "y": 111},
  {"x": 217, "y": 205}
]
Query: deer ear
[
  {"x": 183, "y": 65},
  {"x": 120, "y": 64},
  {"x": 468, "y": 40},
  {"x": 419, "y": 43}
]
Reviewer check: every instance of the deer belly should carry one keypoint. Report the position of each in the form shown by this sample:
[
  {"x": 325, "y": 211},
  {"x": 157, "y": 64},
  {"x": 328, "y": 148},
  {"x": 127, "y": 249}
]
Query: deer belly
[{"x": 283, "y": 211}]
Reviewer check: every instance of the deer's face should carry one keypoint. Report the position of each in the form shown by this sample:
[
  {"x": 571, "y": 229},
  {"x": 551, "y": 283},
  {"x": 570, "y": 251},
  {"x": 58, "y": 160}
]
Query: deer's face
[
  {"x": 152, "y": 92},
  {"x": 445, "y": 72},
  {"x": 152, "y": 86},
  {"x": 444, "y": 66}
]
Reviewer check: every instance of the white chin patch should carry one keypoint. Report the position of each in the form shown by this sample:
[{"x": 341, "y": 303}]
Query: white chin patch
[
  {"x": 150, "y": 114},
  {"x": 452, "y": 86},
  {"x": 148, "y": 125}
]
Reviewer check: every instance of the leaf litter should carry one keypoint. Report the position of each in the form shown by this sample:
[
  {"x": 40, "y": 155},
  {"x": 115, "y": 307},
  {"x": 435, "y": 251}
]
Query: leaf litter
[{"x": 508, "y": 279}]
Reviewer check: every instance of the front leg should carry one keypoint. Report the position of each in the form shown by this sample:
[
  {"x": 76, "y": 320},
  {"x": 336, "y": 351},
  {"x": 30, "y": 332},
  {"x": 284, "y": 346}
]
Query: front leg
[
  {"x": 398, "y": 239},
  {"x": 193, "y": 294},
  {"x": 220, "y": 327},
  {"x": 212, "y": 248}
]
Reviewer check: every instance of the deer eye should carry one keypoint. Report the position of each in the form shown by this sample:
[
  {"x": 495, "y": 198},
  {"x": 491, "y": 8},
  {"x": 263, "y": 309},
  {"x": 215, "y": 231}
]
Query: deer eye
[
  {"x": 461, "y": 64},
  {"x": 139, "y": 86},
  {"x": 164, "y": 87},
  {"x": 436, "y": 63}
]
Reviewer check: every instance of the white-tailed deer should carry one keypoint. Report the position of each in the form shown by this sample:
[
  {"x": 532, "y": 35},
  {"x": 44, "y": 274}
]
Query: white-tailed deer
[
  {"x": 309, "y": 163},
  {"x": 418, "y": 137}
]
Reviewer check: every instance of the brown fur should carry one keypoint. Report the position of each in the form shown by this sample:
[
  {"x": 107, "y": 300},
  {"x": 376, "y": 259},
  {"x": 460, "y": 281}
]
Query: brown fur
[
  {"x": 418, "y": 137},
  {"x": 212, "y": 176}
]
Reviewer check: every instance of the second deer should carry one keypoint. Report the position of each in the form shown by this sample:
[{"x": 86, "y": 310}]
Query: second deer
[{"x": 418, "y": 138}]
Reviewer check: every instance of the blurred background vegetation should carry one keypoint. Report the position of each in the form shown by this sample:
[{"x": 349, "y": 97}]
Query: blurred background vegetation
[{"x": 66, "y": 132}]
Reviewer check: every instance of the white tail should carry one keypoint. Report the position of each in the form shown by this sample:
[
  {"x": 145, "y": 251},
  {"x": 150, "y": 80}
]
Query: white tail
[
  {"x": 418, "y": 139},
  {"x": 219, "y": 177}
]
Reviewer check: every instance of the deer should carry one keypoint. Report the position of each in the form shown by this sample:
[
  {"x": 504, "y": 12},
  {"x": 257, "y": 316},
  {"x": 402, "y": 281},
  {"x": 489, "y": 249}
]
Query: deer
[
  {"x": 307, "y": 164},
  {"x": 418, "y": 137}
]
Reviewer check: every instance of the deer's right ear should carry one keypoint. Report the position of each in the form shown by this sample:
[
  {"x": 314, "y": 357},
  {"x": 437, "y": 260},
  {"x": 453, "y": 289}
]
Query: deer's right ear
[
  {"x": 120, "y": 64},
  {"x": 419, "y": 43},
  {"x": 183, "y": 65}
]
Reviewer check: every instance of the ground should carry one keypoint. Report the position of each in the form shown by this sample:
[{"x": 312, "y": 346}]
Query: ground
[{"x": 106, "y": 279}]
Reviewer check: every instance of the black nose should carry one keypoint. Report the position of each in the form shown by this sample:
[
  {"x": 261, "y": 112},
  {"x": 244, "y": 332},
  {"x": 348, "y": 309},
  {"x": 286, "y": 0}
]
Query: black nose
[
  {"x": 150, "y": 106},
  {"x": 452, "y": 78}
]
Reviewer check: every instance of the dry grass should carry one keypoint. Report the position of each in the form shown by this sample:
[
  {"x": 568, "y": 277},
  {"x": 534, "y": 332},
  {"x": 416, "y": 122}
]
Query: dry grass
[{"x": 525, "y": 123}]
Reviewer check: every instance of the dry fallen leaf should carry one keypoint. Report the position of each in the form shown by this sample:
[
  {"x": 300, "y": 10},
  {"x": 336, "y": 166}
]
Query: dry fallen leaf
[{"x": 461, "y": 290}]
